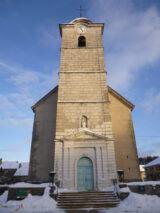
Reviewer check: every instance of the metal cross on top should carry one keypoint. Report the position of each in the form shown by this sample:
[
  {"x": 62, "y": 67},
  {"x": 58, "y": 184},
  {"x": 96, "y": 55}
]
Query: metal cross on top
[{"x": 80, "y": 10}]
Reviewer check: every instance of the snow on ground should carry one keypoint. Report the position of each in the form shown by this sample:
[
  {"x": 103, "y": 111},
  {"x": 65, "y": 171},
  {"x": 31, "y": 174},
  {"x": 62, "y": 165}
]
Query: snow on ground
[
  {"x": 125, "y": 189},
  {"x": 108, "y": 189},
  {"x": 66, "y": 190},
  {"x": 139, "y": 204},
  {"x": 3, "y": 198},
  {"x": 31, "y": 204},
  {"x": 44, "y": 204}
]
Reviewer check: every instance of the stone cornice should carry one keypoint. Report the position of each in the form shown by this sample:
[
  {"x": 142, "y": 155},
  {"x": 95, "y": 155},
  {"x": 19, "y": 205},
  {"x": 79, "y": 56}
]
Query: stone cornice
[
  {"x": 87, "y": 47},
  {"x": 82, "y": 134},
  {"x": 97, "y": 71}
]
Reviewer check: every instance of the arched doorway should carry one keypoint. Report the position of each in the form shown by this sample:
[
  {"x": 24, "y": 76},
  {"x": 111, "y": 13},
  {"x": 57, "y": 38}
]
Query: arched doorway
[{"x": 85, "y": 174}]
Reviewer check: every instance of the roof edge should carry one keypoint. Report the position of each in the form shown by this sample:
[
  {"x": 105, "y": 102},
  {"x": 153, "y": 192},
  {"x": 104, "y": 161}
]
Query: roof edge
[
  {"x": 121, "y": 98},
  {"x": 112, "y": 91},
  {"x": 154, "y": 162},
  {"x": 44, "y": 97}
]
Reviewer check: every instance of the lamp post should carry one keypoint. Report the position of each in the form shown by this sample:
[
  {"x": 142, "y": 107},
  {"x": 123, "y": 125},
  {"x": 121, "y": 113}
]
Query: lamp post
[
  {"x": 52, "y": 187},
  {"x": 51, "y": 176},
  {"x": 121, "y": 175}
]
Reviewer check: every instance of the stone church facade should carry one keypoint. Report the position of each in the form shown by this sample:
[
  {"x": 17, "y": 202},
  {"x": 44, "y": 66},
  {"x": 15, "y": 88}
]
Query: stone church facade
[{"x": 83, "y": 128}]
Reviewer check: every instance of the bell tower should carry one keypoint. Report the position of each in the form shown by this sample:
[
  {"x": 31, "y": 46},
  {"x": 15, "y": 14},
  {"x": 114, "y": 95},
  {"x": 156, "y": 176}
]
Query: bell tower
[{"x": 83, "y": 121}]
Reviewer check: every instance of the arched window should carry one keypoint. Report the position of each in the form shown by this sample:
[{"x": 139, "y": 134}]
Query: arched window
[
  {"x": 84, "y": 122},
  {"x": 81, "y": 41}
]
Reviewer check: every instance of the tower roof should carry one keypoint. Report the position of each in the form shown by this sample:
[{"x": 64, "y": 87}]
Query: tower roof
[{"x": 81, "y": 19}]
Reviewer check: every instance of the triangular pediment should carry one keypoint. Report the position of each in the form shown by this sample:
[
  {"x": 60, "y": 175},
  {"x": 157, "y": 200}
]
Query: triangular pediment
[{"x": 85, "y": 134}]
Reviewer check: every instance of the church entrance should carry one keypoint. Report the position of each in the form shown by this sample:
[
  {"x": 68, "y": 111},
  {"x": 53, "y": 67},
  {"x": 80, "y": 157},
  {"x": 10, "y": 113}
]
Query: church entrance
[{"x": 85, "y": 174}]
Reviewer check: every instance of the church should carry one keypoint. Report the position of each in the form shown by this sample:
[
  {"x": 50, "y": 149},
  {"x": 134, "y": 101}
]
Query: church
[{"x": 83, "y": 128}]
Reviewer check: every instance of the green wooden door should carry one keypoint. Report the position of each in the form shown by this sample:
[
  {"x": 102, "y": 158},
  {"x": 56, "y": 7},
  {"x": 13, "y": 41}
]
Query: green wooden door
[{"x": 85, "y": 174}]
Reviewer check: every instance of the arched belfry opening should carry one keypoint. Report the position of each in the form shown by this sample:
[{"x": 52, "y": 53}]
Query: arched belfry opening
[
  {"x": 81, "y": 41},
  {"x": 84, "y": 122}
]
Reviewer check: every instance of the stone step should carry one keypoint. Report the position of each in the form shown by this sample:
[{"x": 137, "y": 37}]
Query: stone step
[
  {"x": 95, "y": 199},
  {"x": 88, "y": 192},
  {"x": 91, "y": 196},
  {"x": 95, "y": 206},
  {"x": 88, "y": 203},
  {"x": 80, "y": 201},
  {"x": 94, "y": 195},
  {"x": 107, "y": 195},
  {"x": 82, "y": 210},
  {"x": 99, "y": 201},
  {"x": 84, "y": 194},
  {"x": 84, "y": 199}
]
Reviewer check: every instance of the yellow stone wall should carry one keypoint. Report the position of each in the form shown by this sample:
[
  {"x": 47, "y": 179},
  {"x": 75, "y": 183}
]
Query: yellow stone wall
[{"x": 125, "y": 145}]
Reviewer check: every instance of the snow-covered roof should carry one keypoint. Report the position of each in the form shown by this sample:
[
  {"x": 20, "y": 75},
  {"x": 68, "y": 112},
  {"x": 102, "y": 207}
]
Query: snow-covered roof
[
  {"x": 153, "y": 163},
  {"x": 141, "y": 168},
  {"x": 27, "y": 185},
  {"x": 9, "y": 165},
  {"x": 23, "y": 170}
]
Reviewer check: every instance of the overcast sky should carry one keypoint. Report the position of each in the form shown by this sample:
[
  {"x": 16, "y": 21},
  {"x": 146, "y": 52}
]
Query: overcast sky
[{"x": 30, "y": 56}]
